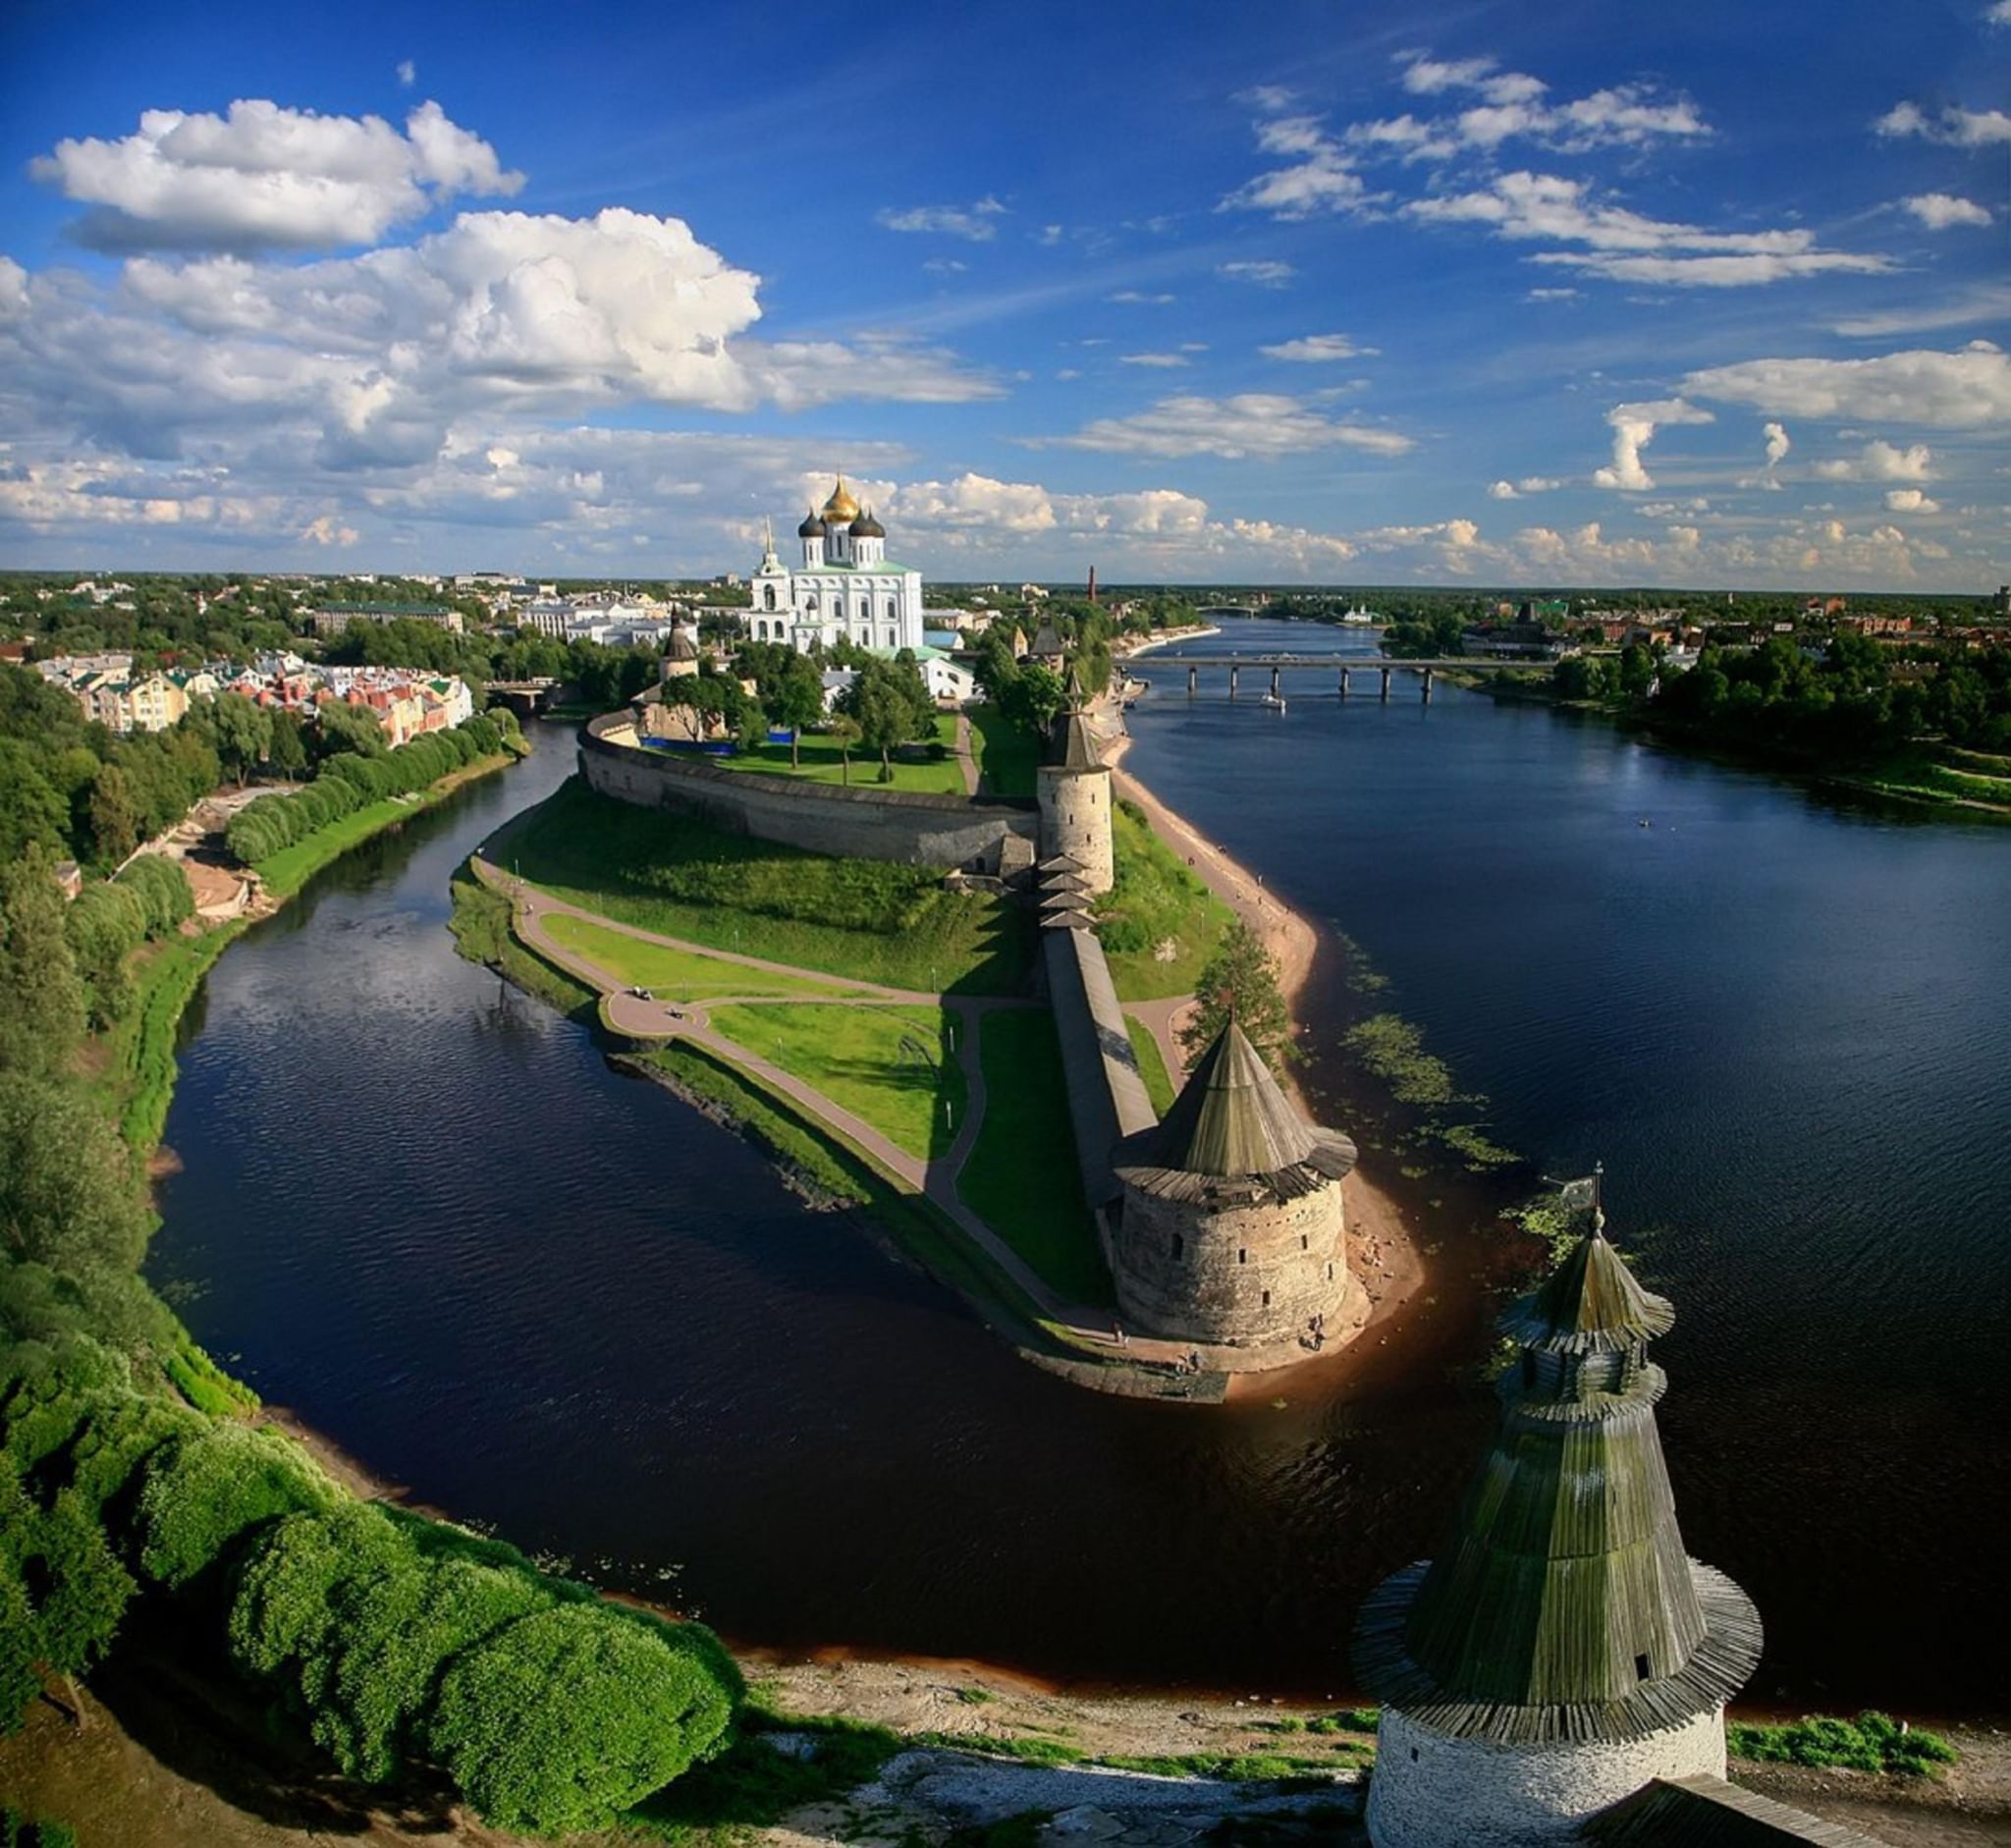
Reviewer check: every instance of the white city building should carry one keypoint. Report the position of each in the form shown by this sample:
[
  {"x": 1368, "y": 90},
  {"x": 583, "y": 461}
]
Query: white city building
[{"x": 845, "y": 586}]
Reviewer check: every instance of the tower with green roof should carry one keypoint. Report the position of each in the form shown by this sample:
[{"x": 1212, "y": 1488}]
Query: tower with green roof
[{"x": 1562, "y": 1649}]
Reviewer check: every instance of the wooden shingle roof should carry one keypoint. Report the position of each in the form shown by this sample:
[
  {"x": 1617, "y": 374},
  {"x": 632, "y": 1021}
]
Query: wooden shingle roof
[
  {"x": 1707, "y": 1812},
  {"x": 1233, "y": 1122},
  {"x": 1562, "y": 1604}
]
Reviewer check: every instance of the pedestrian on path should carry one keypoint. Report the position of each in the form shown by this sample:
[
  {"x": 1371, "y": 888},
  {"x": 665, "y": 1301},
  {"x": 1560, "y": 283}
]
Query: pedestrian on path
[{"x": 1117, "y": 1329}]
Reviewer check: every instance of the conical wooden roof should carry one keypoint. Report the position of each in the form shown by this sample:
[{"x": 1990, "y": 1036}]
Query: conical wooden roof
[
  {"x": 1066, "y": 902},
  {"x": 1233, "y": 1121},
  {"x": 1562, "y": 1604},
  {"x": 1592, "y": 1303}
]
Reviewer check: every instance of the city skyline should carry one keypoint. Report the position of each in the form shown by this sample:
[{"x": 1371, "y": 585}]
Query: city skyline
[{"x": 1363, "y": 296}]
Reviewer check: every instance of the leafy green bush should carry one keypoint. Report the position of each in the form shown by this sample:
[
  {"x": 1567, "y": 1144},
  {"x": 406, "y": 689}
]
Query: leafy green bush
[
  {"x": 207, "y": 1488},
  {"x": 62, "y": 1590},
  {"x": 622, "y": 1707},
  {"x": 105, "y": 923},
  {"x": 1872, "y": 1742}
]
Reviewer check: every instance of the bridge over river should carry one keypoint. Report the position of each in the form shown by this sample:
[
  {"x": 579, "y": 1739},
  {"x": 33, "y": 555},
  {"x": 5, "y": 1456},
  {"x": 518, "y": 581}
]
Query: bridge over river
[{"x": 1345, "y": 667}]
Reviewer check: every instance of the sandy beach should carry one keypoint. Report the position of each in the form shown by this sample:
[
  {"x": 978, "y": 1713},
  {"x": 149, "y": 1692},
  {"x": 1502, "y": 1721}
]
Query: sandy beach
[{"x": 1382, "y": 1251}]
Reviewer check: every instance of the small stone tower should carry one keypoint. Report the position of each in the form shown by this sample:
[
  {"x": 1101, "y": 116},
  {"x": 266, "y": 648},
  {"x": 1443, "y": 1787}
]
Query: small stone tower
[
  {"x": 1230, "y": 1232},
  {"x": 1074, "y": 792},
  {"x": 1562, "y": 1650}
]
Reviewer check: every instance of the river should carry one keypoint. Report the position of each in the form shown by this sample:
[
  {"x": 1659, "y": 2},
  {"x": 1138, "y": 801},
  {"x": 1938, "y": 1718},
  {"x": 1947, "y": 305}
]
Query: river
[{"x": 428, "y": 1214}]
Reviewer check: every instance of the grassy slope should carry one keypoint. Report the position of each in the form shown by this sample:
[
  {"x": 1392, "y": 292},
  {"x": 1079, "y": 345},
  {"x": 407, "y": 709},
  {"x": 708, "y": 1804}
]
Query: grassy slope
[
  {"x": 1022, "y": 1177},
  {"x": 823, "y": 763},
  {"x": 1156, "y": 897},
  {"x": 480, "y": 924},
  {"x": 1005, "y": 757},
  {"x": 1159, "y": 1086},
  {"x": 855, "y": 1057},
  {"x": 866, "y": 919},
  {"x": 677, "y": 974}
]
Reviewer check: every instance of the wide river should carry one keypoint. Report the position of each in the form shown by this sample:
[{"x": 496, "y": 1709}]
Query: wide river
[{"x": 425, "y": 1213}]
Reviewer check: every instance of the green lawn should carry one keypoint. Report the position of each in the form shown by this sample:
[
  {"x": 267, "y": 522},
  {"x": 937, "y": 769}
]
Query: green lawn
[
  {"x": 1021, "y": 1177},
  {"x": 1151, "y": 1067},
  {"x": 891, "y": 1066},
  {"x": 1006, "y": 755},
  {"x": 674, "y": 974},
  {"x": 1156, "y": 900},
  {"x": 869, "y": 920},
  {"x": 822, "y": 763}
]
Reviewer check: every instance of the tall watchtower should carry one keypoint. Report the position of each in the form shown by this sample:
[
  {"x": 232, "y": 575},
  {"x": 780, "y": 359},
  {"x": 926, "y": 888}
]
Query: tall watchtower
[
  {"x": 1231, "y": 1231},
  {"x": 1562, "y": 1650},
  {"x": 1074, "y": 787}
]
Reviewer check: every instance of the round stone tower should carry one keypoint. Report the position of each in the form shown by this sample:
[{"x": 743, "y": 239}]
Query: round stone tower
[
  {"x": 1562, "y": 1650},
  {"x": 1230, "y": 1232},
  {"x": 1074, "y": 792}
]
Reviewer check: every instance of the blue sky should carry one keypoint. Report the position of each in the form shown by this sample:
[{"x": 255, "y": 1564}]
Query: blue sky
[{"x": 1572, "y": 294}]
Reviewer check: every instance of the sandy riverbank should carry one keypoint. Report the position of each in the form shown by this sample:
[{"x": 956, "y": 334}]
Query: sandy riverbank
[{"x": 1384, "y": 1250}]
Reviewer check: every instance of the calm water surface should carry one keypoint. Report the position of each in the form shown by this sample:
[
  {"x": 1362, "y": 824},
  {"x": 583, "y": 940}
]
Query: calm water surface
[{"x": 424, "y": 1213}]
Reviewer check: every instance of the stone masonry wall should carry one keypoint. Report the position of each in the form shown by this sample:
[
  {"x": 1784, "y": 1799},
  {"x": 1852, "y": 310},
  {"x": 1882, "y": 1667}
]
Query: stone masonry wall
[
  {"x": 864, "y": 823},
  {"x": 1244, "y": 1275},
  {"x": 1430, "y": 1790},
  {"x": 1075, "y": 820}
]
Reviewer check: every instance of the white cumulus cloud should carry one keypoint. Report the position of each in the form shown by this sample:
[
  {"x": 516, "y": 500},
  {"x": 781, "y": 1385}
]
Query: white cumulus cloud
[
  {"x": 973, "y": 221},
  {"x": 1528, "y": 485},
  {"x": 1260, "y": 425},
  {"x": 1264, "y": 273},
  {"x": 1317, "y": 349},
  {"x": 1910, "y": 500},
  {"x": 1938, "y": 211},
  {"x": 1777, "y": 443},
  {"x": 1963, "y": 390},
  {"x": 1952, "y": 127},
  {"x": 262, "y": 177},
  {"x": 1634, "y": 427},
  {"x": 1880, "y": 462}
]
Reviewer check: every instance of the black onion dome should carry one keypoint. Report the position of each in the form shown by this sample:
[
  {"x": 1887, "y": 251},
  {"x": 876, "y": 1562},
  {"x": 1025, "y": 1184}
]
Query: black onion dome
[
  {"x": 811, "y": 528},
  {"x": 867, "y": 527}
]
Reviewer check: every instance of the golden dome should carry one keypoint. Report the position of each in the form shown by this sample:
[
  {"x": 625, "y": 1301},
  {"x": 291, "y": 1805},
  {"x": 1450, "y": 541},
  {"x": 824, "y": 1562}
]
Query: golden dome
[{"x": 842, "y": 508}]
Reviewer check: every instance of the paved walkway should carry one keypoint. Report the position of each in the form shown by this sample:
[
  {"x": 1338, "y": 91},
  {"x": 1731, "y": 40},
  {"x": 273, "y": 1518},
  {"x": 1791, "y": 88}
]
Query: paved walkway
[
  {"x": 966, "y": 762},
  {"x": 635, "y": 1018}
]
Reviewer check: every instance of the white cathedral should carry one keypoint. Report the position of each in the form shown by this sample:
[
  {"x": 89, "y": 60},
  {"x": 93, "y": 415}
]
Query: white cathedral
[{"x": 844, "y": 586}]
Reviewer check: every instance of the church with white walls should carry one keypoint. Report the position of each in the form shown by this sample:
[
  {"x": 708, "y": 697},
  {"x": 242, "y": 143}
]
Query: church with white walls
[{"x": 845, "y": 586}]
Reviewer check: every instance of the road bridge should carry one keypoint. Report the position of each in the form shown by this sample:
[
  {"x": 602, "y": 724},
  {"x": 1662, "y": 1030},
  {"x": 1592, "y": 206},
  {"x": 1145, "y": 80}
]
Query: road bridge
[
  {"x": 525, "y": 698},
  {"x": 1344, "y": 667}
]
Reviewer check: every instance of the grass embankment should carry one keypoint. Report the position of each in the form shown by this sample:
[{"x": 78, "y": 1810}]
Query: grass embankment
[
  {"x": 1005, "y": 757},
  {"x": 1160, "y": 923},
  {"x": 284, "y": 872},
  {"x": 828, "y": 1165},
  {"x": 677, "y": 974},
  {"x": 914, "y": 767},
  {"x": 892, "y": 1068},
  {"x": 1022, "y": 1177},
  {"x": 869, "y": 920},
  {"x": 136, "y": 1078},
  {"x": 1977, "y": 783},
  {"x": 1870, "y": 1743},
  {"x": 481, "y": 926},
  {"x": 1158, "y": 1084}
]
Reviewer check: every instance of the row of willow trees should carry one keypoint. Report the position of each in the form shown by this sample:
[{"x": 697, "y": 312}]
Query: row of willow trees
[{"x": 145, "y": 1508}]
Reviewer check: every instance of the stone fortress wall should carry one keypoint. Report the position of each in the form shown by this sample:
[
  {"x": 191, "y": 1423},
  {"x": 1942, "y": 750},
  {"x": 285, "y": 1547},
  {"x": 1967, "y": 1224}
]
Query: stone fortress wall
[
  {"x": 1241, "y": 1276},
  {"x": 1106, "y": 1095},
  {"x": 866, "y": 822}
]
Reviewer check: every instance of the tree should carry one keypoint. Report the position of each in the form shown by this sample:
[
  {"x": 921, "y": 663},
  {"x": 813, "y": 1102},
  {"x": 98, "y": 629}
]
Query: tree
[
  {"x": 115, "y": 820},
  {"x": 32, "y": 811},
  {"x": 795, "y": 697},
  {"x": 1240, "y": 981},
  {"x": 343, "y": 727},
  {"x": 288, "y": 751},
  {"x": 845, "y": 733},
  {"x": 67, "y": 1193},
  {"x": 42, "y": 996},
  {"x": 207, "y": 1490},
  {"x": 891, "y": 706},
  {"x": 1033, "y": 699},
  {"x": 640, "y": 1704},
  {"x": 62, "y": 1594},
  {"x": 244, "y": 732}
]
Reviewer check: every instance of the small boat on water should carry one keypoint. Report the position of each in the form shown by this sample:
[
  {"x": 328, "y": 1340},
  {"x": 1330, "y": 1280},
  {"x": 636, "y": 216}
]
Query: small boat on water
[{"x": 1275, "y": 700}]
